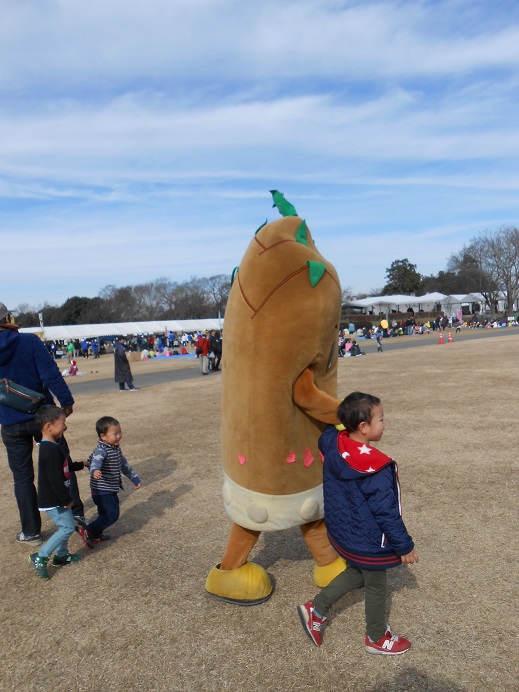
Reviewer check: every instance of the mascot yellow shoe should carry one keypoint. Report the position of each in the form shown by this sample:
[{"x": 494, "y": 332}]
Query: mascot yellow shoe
[{"x": 247, "y": 585}]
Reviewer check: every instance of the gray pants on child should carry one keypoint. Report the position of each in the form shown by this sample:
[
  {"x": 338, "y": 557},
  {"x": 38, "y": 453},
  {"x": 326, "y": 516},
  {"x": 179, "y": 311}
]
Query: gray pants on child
[{"x": 374, "y": 581}]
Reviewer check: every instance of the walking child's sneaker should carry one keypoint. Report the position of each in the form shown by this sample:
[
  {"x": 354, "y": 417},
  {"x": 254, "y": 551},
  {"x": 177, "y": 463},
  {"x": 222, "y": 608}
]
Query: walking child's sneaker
[
  {"x": 388, "y": 645},
  {"x": 85, "y": 537},
  {"x": 39, "y": 564},
  {"x": 312, "y": 624},
  {"x": 30, "y": 540},
  {"x": 100, "y": 539},
  {"x": 68, "y": 559}
]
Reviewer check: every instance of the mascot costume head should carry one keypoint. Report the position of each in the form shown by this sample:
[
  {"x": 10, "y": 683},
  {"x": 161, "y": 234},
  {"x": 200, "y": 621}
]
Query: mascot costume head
[{"x": 279, "y": 390}]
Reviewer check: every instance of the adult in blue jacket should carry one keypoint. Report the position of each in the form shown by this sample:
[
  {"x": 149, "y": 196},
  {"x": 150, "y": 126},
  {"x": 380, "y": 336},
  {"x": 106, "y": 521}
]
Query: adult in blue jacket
[{"x": 25, "y": 360}]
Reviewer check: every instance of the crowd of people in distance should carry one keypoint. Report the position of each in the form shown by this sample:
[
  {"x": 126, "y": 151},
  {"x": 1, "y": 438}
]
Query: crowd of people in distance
[
  {"x": 347, "y": 340},
  {"x": 148, "y": 346}
]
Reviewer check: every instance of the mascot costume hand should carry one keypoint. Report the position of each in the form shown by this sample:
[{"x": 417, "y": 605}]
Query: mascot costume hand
[{"x": 279, "y": 389}]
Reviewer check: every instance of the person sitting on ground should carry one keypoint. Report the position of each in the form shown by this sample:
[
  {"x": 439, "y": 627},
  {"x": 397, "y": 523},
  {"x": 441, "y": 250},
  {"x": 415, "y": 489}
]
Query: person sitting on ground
[
  {"x": 53, "y": 490},
  {"x": 355, "y": 349}
]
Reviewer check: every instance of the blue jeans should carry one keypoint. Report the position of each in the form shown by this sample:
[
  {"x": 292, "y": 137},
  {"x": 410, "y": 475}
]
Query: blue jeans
[
  {"x": 18, "y": 440},
  {"x": 58, "y": 542},
  {"x": 108, "y": 511}
]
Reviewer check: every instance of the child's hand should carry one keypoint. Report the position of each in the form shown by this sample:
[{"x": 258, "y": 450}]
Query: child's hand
[
  {"x": 86, "y": 464},
  {"x": 137, "y": 486},
  {"x": 410, "y": 558},
  {"x": 97, "y": 475},
  {"x": 69, "y": 506}
]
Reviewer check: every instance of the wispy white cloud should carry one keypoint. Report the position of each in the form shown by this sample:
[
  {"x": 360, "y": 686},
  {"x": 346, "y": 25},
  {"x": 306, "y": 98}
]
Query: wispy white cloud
[{"x": 152, "y": 130}]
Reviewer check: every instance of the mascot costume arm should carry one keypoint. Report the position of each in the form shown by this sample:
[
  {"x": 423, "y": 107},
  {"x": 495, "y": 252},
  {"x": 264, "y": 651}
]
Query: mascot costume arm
[{"x": 279, "y": 390}]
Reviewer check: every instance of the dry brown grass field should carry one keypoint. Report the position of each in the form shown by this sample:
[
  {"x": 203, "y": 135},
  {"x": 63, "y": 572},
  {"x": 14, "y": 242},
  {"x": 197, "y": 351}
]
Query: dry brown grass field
[{"x": 134, "y": 615}]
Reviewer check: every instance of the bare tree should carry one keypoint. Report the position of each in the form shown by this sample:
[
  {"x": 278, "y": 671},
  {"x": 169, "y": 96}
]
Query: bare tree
[
  {"x": 191, "y": 301},
  {"x": 497, "y": 255},
  {"x": 147, "y": 301},
  {"x": 347, "y": 294},
  {"x": 165, "y": 289},
  {"x": 218, "y": 288},
  {"x": 120, "y": 303},
  {"x": 471, "y": 275}
]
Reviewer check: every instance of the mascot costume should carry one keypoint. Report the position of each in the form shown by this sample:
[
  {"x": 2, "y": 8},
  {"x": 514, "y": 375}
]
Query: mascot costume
[{"x": 279, "y": 390}]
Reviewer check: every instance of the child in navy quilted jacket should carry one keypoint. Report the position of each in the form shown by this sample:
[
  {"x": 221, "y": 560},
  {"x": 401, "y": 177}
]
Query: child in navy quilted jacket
[{"x": 362, "y": 513}]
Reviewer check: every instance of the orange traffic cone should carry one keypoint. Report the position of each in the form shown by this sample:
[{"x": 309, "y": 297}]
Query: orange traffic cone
[
  {"x": 441, "y": 337},
  {"x": 449, "y": 340}
]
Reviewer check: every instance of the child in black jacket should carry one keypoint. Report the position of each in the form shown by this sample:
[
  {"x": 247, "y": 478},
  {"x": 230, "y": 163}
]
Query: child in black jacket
[{"x": 53, "y": 490}]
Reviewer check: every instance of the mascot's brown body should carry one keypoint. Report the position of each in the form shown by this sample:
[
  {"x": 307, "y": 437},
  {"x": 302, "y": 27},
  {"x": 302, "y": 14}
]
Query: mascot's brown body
[{"x": 279, "y": 390}]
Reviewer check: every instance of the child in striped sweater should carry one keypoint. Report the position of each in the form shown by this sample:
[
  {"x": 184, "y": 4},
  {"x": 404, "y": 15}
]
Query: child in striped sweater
[{"x": 107, "y": 462}]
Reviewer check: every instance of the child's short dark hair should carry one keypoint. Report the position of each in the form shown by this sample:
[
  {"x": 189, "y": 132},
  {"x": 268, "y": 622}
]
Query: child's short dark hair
[
  {"x": 47, "y": 414},
  {"x": 357, "y": 408},
  {"x": 104, "y": 423}
]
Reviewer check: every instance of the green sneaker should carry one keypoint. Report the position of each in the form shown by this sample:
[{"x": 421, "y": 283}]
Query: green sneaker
[
  {"x": 39, "y": 565},
  {"x": 68, "y": 559}
]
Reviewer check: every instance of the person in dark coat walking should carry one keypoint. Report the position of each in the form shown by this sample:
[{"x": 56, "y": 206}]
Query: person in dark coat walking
[
  {"x": 25, "y": 360},
  {"x": 123, "y": 373}
]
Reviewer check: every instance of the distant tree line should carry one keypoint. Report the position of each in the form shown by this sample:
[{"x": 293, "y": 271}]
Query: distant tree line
[
  {"x": 489, "y": 265},
  {"x": 197, "y": 298}
]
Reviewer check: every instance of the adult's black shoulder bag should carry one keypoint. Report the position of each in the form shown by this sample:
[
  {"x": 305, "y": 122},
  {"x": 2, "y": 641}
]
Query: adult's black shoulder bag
[{"x": 20, "y": 398}]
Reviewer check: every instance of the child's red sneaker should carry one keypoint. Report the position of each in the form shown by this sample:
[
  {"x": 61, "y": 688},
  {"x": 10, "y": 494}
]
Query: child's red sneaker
[
  {"x": 388, "y": 645},
  {"x": 85, "y": 536},
  {"x": 311, "y": 622}
]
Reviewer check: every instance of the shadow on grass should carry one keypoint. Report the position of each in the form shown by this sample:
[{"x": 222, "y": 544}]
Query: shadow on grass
[
  {"x": 412, "y": 679},
  {"x": 141, "y": 513},
  {"x": 155, "y": 506},
  {"x": 150, "y": 471},
  {"x": 154, "y": 469},
  {"x": 280, "y": 545}
]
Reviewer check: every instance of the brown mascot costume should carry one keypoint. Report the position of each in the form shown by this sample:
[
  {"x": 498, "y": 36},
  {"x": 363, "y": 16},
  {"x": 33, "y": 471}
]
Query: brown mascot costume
[{"x": 279, "y": 390}]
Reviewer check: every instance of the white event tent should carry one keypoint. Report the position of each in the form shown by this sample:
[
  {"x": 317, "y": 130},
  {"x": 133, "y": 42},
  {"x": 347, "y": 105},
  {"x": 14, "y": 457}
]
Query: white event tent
[
  {"x": 449, "y": 304},
  {"x": 85, "y": 331}
]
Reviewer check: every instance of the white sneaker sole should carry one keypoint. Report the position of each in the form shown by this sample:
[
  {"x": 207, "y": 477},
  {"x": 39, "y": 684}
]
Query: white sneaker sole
[{"x": 377, "y": 652}]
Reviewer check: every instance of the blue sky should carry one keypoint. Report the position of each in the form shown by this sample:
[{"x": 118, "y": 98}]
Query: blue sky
[{"x": 140, "y": 138}]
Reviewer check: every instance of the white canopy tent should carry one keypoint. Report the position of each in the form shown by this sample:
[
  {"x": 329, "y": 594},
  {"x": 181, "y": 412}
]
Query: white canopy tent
[
  {"x": 449, "y": 304},
  {"x": 400, "y": 303},
  {"x": 90, "y": 331}
]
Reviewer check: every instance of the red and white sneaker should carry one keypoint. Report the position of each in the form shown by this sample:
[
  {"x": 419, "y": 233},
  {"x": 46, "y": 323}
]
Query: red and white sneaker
[
  {"x": 85, "y": 536},
  {"x": 311, "y": 623},
  {"x": 388, "y": 645}
]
